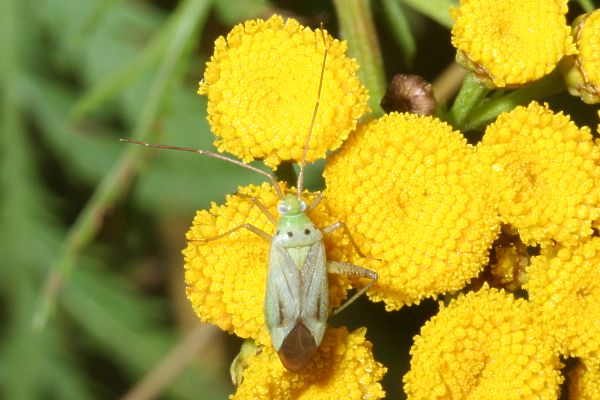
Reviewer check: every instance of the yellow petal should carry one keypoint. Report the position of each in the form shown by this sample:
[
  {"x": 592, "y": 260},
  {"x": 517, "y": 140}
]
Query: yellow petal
[
  {"x": 511, "y": 42},
  {"x": 262, "y": 84},
  {"x": 547, "y": 173},
  {"x": 485, "y": 345},
  {"x": 582, "y": 71},
  {"x": 411, "y": 192},
  {"x": 342, "y": 368},
  {"x": 565, "y": 283}
]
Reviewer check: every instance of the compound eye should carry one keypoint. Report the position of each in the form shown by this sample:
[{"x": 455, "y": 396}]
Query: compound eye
[
  {"x": 302, "y": 206},
  {"x": 282, "y": 209}
]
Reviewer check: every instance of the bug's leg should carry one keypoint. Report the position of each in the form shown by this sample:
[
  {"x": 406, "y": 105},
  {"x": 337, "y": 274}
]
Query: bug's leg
[
  {"x": 260, "y": 206},
  {"x": 337, "y": 225},
  {"x": 345, "y": 269},
  {"x": 313, "y": 204},
  {"x": 240, "y": 362},
  {"x": 250, "y": 227}
]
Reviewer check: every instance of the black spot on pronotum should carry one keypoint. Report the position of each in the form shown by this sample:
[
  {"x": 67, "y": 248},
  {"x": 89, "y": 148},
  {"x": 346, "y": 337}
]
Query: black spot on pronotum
[
  {"x": 290, "y": 234},
  {"x": 307, "y": 231},
  {"x": 277, "y": 233}
]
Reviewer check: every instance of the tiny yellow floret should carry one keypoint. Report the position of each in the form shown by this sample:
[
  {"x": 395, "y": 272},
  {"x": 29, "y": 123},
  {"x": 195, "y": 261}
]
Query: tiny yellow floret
[
  {"x": 226, "y": 278},
  {"x": 483, "y": 346},
  {"x": 546, "y": 171},
  {"x": 262, "y": 83},
  {"x": 582, "y": 71},
  {"x": 342, "y": 368},
  {"x": 511, "y": 42},
  {"x": 564, "y": 282},
  {"x": 413, "y": 195}
]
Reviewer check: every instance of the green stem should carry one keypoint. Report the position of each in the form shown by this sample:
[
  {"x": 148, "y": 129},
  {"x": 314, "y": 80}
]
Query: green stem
[
  {"x": 438, "y": 10},
  {"x": 470, "y": 95},
  {"x": 400, "y": 26},
  {"x": 356, "y": 21},
  {"x": 549, "y": 85},
  {"x": 117, "y": 180},
  {"x": 115, "y": 83},
  {"x": 587, "y": 5}
]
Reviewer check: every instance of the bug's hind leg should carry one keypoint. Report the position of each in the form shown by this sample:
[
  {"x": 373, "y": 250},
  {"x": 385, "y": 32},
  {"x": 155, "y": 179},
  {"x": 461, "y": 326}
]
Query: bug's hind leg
[
  {"x": 351, "y": 270},
  {"x": 250, "y": 227}
]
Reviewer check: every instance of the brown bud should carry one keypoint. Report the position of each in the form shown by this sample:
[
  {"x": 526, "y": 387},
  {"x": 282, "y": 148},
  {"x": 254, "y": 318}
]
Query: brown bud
[{"x": 409, "y": 93}]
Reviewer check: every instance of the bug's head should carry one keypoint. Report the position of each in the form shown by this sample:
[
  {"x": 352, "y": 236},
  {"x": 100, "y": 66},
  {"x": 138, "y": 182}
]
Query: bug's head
[{"x": 291, "y": 205}]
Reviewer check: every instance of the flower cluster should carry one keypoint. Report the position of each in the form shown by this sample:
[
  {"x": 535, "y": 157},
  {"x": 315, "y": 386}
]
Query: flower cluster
[
  {"x": 413, "y": 193},
  {"x": 423, "y": 205},
  {"x": 343, "y": 368},
  {"x": 582, "y": 70},
  {"x": 484, "y": 345},
  {"x": 512, "y": 42},
  {"x": 547, "y": 173},
  {"x": 260, "y": 101},
  {"x": 564, "y": 282},
  {"x": 260, "y": 107}
]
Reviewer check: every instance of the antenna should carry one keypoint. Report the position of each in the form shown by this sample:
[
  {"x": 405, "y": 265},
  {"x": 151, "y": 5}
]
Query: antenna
[
  {"x": 314, "y": 116},
  {"x": 212, "y": 155}
]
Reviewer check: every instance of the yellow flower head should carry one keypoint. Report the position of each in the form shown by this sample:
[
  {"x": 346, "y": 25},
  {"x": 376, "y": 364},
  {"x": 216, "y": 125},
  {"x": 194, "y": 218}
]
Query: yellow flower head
[
  {"x": 511, "y": 42},
  {"x": 485, "y": 345},
  {"x": 226, "y": 278},
  {"x": 262, "y": 84},
  {"x": 546, "y": 171},
  {"x": 582, "y": 71},
  {"x": 342, "y": 368},
  {"x": 584, "y": 382},
  {"x": 565, "y": 283},
  {"x": 412, "y": 194}
]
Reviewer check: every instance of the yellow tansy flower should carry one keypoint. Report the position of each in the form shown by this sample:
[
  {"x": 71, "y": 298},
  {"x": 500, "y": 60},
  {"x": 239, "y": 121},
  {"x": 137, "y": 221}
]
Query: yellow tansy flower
[
  {"x": 262, "y": 84},
  {"x": 546, "y": 171},
  {"x": 582, "y": 71},
  {"x": 485, "y": 345},
  {"x": 226, "y": 278},
  {"x": 342, "y": 368},
  {"x": 584, "y": 382},
  {"x": 511, "y": 42},
  {"x": 565, "y": 283},
  {"x": 411, "y": 192}
]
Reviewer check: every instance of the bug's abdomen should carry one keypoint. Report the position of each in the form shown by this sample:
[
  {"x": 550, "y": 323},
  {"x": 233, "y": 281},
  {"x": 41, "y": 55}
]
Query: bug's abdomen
[
  {"x": 297, "y": 348},
  {"x": 297, "y": 302}
]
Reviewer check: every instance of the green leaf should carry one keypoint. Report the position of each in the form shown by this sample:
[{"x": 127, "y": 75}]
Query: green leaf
[
  {"x": 125, "y": 328},
  {"x": 438, "y": 10},
  {"x": 400, "y": 26},
  {"x": 234, "y": 12}
]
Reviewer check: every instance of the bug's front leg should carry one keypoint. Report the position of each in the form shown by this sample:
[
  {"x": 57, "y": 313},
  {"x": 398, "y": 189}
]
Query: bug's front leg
[
  {"x": 337, "y": 225},
  {"x": 351, "y": 270},
  {"x": 260, "y": 206}
]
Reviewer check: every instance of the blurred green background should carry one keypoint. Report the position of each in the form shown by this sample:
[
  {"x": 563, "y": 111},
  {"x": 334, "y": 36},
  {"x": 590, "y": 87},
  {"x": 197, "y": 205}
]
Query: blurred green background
[{"x": 91, "y": 230}]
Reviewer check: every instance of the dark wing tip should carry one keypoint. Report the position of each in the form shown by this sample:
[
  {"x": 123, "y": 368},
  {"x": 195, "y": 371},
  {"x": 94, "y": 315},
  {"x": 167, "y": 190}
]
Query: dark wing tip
[{"x": 297, "y": 348}]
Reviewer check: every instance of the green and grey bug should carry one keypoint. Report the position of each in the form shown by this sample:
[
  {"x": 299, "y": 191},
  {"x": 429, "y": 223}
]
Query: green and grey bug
[{"x": 296, "y": 303}]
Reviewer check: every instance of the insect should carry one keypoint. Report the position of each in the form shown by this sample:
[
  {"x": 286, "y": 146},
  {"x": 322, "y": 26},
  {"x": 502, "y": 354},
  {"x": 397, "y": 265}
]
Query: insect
[{"x": 296, "y": 303}]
